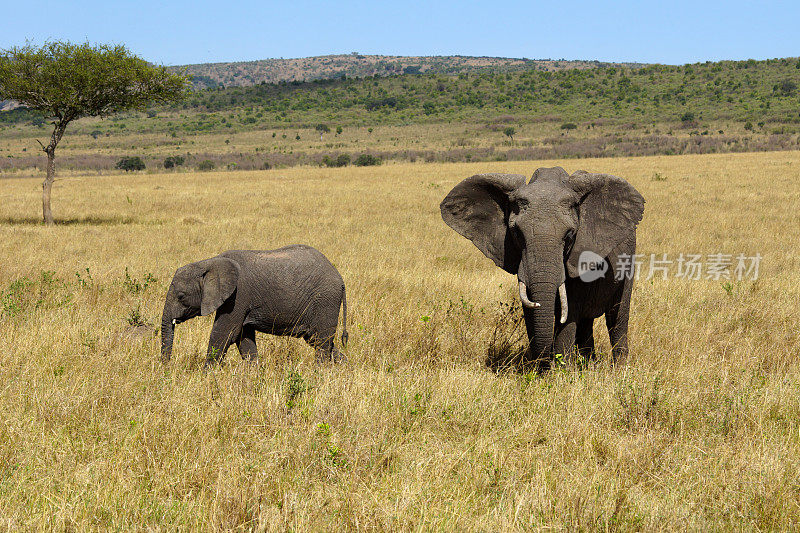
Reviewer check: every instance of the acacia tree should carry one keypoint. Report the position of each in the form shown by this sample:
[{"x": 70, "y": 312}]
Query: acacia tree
[{"x": 67, "y": 81}]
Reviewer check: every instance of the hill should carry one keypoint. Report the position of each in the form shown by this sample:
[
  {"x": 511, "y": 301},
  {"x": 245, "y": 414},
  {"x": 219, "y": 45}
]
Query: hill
[
  {"x": 758, "y": 91},
  {"x": 488, "y": 115},
  {"x": 247, "y": 73}
]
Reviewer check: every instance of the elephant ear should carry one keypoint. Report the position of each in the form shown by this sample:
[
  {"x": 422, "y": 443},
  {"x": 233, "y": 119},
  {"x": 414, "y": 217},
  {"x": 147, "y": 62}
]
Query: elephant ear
[
  {"x": 478, "y": 209},
  {"x": 608, "y": 212},
  {"x": 219, "y": 282}
]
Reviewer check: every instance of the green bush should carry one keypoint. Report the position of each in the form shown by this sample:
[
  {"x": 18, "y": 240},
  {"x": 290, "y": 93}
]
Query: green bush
[
  {"x": 174, "y": 161},
  {"x": 568, "y": 126},
  {"x": 129, "y": 163},
  {"x": 206, "y": 165},
  {"x": 341, "y": 161},
  {"x": 367, "y": 160},
  {"x": 785, "y": 88}
]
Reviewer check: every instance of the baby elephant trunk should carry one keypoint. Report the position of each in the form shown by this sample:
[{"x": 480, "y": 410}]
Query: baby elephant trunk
[{"x": 167, "y": 333}]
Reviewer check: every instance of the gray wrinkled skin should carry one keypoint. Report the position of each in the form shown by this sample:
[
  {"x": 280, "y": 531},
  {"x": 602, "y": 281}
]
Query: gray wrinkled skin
[
  {"x": 537, "y": 231},
  {"x": 292, "y": 291}
]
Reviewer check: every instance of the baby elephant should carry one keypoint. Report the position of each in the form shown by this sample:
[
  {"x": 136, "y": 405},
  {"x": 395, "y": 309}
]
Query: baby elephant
[{"x": 293, "y": 291}]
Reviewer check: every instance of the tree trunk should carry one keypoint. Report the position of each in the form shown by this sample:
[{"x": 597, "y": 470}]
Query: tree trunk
[
  {"x": 47, "y": 186},
  {"x": 58, "y": 131}
]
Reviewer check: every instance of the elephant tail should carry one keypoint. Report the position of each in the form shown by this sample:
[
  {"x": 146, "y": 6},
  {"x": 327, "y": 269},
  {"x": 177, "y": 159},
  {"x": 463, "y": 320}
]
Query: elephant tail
[{"x": 344, "y": 317}]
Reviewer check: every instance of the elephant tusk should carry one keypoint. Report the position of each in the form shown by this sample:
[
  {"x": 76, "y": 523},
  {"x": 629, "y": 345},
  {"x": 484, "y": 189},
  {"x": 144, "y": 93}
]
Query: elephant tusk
[
  {"x": 523, "y": 296},
  {"x": 174, "y": 321},
  {"x": 562, "y": 294}
]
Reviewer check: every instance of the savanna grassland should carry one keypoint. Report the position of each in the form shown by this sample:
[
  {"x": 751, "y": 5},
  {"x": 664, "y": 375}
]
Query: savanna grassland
[{"x": 701, "y": 431}]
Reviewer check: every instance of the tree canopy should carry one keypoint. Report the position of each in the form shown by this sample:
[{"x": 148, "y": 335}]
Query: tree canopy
[{"x": 67, "y": 81}]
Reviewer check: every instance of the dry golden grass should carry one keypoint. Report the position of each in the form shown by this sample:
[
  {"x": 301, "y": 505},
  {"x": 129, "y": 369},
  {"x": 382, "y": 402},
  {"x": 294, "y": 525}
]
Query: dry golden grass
[{"x": 701, "y": 431}]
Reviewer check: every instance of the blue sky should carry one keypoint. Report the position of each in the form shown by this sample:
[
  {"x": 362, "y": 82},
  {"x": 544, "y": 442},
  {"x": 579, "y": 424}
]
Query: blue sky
[{"x": 180, "y": 32}]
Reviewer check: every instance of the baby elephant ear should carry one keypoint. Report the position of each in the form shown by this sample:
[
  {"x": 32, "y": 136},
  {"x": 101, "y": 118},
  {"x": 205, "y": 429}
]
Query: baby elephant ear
[
  {"x": 608, "y": 213},
  {"x": 478, "y": 208},
  {"x": 219, "y": 282}
]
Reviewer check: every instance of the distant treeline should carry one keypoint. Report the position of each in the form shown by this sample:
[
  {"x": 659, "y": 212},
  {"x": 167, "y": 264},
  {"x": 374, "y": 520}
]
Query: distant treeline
[
  {"x": 756, "y": 91},
  {"x": 743, "y": 90}
]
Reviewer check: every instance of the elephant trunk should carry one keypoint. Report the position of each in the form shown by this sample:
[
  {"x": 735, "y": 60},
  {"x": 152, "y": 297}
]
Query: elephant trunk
[
  {"x": 541, "y": 267},
  {"x": 167, "y": 331},
  {"x": 543, "y": 294}
]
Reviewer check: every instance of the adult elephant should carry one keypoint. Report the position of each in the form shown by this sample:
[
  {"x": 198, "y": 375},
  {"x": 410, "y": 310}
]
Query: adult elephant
[{"x": 570, "y": 241}]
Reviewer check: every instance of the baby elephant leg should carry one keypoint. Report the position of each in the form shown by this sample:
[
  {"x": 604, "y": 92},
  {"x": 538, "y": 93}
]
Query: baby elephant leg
[
  {"x": 247, "y": 344},
  {"x": 326, "y": 351},
  {"x": 225, "y": 331}
]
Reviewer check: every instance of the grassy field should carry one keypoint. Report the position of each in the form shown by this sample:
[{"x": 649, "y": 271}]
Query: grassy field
[
  {"x": 94, "y": 146},
  {"x": 701, "y": 431}
]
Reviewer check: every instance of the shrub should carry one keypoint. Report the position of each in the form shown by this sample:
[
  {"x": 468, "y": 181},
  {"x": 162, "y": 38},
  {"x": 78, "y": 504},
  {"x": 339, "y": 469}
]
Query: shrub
[
  {"x": 206, "y": 165},
  {"x": 367, "y": 160},
  {"x": 129, "y": 163},
  {"x": 509, "y": 132},
  {"x": 785, "y": 88},
  {"x": 568, "y": 126},
  {"x": 687, "y": 117},
  {"x": 748, "y": 126},
  {"x": 341, "y": 161},
  {"x": 174, "y": 161}
]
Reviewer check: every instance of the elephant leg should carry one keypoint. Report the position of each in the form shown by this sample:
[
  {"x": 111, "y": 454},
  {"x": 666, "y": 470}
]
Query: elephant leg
[
  {"x": 565, "y": 340},
  {"x": 226, "y": 331},
  {"x": 584, "y": 338},
  {"x": 617, "y": 323},
  {"x": 326, "y": 351},
  {"x": 323, "y": 350},
  {"x": 247, "y": 343},
  {"x": 323, "y": 332}
]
